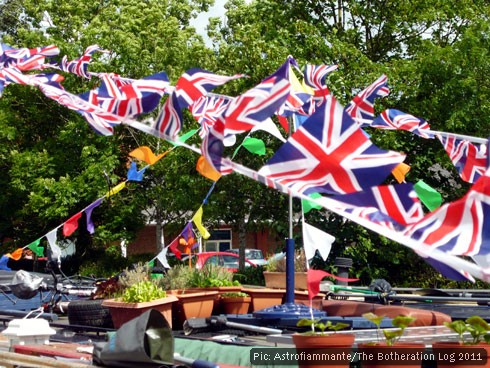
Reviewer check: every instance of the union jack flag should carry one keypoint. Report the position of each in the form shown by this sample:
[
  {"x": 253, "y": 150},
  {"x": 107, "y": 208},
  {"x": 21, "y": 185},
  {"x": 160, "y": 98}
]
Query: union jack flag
[
  {"x": 27, "y": 59},
  {"x": 448, "y": 271},
  {"x": 207, "y": 109},
  {"x": 394, "y": 206},
  {"x": 392, "y": 119},
  {"x": 79, "y": 66},
  {"x": 362, "y": 106},
  {"x": 212, "y": 147},
  {"x": 329, "y": 153},
  {"x": 259, "y": 103},
  {"x": 470, "y": 160},
  {"x": 128, "y": 99},
  {"x": 191, "y": 86},
  {"x": 99, "y": 120},
  {"x": 461, "y": 227}
]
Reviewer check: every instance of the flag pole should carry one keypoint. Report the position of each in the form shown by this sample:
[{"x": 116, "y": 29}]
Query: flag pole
[{"x": 289, "y": 297}]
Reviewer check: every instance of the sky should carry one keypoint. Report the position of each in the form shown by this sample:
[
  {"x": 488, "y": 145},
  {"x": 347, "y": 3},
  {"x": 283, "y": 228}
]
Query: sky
[{"x": 217, "y": 10}]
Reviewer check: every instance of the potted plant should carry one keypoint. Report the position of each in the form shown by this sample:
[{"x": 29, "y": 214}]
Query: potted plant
[
  {"x": 473, "y": 336},
  {"x": 135, "y": 293},
  {"x": 379, "y": 354},
  {"x": 235, "y": 302},
  {"x": 192, "y": 302},
  {"x": 275, "y": 272},
  {"x": 318, "y": 340}
]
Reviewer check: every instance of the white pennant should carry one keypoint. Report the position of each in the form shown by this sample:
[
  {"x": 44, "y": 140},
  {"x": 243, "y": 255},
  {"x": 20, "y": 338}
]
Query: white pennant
[{"x": 315, "y": 239}]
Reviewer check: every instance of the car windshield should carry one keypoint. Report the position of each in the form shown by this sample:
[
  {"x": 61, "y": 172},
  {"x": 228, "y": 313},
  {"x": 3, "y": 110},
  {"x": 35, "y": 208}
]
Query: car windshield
[{"x": 250, "y": 253}]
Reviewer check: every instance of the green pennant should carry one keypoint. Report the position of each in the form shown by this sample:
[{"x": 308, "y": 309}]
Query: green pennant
[
  {"x": 34, "y": 246},
  {"x": 308, "y": 205},
  {"x": 430, "y": 197},
  {"x": 184, "y": 137},
  {"x": 254, "y": 145}
]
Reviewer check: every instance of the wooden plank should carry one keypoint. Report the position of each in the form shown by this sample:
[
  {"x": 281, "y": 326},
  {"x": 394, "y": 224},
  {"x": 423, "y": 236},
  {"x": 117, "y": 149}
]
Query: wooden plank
[{"x": 12, "y": 360}]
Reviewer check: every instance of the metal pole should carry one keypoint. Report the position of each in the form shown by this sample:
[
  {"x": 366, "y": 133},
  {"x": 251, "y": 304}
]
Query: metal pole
[{"x": 289, "y": 298}]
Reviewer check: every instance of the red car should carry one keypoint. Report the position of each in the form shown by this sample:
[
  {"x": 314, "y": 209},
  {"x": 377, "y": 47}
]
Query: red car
[{"x": 225, "y": 259}]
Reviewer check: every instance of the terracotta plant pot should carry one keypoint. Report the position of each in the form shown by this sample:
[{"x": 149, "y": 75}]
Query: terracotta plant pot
[
  {"x": 410, "y": 355},
  {"x": 264, "y": 298},
  {"x": 454, "y": 354},
  {"x": 221, "y": 290},
  {"x": 122, "y": 312},
  {"x": 192, "y": 305},
  {"x": 235, "y": 304},
  {"x": 337, "y": 346},
  {"x": 277, "y": 280}
]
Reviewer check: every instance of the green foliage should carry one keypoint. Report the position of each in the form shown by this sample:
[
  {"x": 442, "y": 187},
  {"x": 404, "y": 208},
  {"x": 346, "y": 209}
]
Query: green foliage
[
  {"x": 212, "y": 276},
  {"x": 472, "y": 331},
  {"x": 234, "y": 294},
  {"x": 391, "y": 336},
  {"x": 143, "y": 291},
  {"x": 318, "y": 327},
  {"x": 250, "y": 276}
]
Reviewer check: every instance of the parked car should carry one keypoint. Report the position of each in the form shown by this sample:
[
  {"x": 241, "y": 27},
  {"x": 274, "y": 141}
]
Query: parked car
[
  {"x": 225, "y": 259},
  {"x": 254, "y": 255}
]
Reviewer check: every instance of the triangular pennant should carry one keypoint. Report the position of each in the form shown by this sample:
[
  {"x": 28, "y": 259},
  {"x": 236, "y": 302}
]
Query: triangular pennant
[
  {"x": 314, "y": 277},
  {"x": 315, "y": 239},
  {"x": 134, "y": 174},
  {"x": 162, "y": 257},
  {"x": 116, "y": 189},
  {"x": 197, "y": 218},
  {"x": 55, "y": 249},
  {"x": 400, "y": 172},
  {"x": 430, "y": 197},
  {"x": 88, "y": 215},
  {"x": 254, "y": 145},
  {"x": 308, "y": 205},
  {"x": 71, "y": 224},
  {"x": 145, "y": 153},
  {"x": 204, "y": 168},
  {"x": 16, "y": 254},
  {"x": 34, "y": 247},
  {"x": 3, "y": 263}
]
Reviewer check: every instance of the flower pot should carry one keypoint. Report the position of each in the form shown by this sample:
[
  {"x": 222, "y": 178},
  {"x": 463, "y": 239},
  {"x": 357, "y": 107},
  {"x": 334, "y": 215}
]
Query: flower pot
[
  {"x": 122, "y": 312},
  {"x": 277, "y": 280},
  {"x": 264, "y": 298},
  {"x": 192, "y": 305},
  {"x": 410, "y": 355},
  {"x": 337, "y": 346},
  {"x": 235, "y": 304},
  {"x": 221, "y": 290},
  {"x": 455, "y": 354}
]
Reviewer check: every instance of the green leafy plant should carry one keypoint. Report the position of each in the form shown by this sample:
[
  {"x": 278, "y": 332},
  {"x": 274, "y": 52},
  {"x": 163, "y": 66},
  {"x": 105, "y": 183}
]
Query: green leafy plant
[
  {"x": 472, "y": 331},
  {"x": 279, "y": 265},
  {"x": 391, "y": 336},
  {"x": 234, "y": 294},
  {"x": 318, "y": 327},
  {"x": 143, "y": 291}
]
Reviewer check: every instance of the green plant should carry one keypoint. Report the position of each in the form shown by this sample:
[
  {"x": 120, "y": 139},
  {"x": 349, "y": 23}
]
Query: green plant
[
  {"x": 178, "y": 277},
  {"x": 234, "y": 294},
  {"x": 317, "y": 324},
  {"x": 212, "y": 276},
  {"x": 391, "y": 336},
  {"x": 143, "y": 291},
  {"x": 472, "y": 331},
  {"x": 279, "y": 265}
]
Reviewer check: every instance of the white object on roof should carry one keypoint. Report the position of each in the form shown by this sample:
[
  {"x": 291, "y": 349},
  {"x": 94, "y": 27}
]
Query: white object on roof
[{"x": 28, "y": 331}]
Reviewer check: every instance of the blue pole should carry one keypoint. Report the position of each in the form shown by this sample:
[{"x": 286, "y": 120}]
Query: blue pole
[{"x": 289, "y": 270}]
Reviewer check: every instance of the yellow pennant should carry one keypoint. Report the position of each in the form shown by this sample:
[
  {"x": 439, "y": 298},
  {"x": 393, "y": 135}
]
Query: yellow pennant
[
  {"x": 145, "y": 154},
  {"x": 116, "y": 189},
  {"x": 400, "y": 171},
  {"x": 197, "y": 218},
  {"x": 204, "y": 168}
]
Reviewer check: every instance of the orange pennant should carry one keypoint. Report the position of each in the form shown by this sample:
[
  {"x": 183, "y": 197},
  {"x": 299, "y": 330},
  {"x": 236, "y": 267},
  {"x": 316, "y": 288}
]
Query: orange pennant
[
  {"x": 145, "y": 154},
  {"x": 206, "y": 170},
  {"x": 16, "y": 254},
  {"x": 400, "y": 171}
]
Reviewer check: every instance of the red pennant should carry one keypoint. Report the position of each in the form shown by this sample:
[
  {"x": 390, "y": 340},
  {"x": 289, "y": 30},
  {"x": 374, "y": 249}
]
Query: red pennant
[
  {"x": 71, "y": 225},
  {"x": 284, "y": 123},
  {"x": 314, "y": 277}
]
